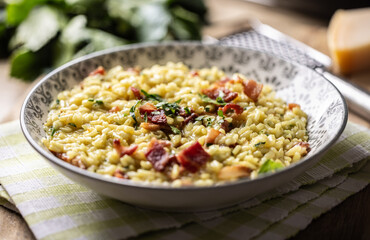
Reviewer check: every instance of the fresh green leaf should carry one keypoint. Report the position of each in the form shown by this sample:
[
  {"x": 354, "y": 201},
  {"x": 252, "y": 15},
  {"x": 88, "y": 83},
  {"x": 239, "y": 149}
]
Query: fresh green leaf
[
  {"x": 24, "y": 64},
  {"x": 259, "y": 144},
  {"x": 90, "y": 100},
  {"x": 178, "y": 101},
  {"x": 42, "y": 24},
  {"x": 270, "y": 166},
  {"x": 99, "y": 40},
  {"x": 175, "y": 130},
  {"x": 185, "y": 24},
  {"x": 153, "y": 97},
  {"x": 152, "y": 21},
  {"x": 17, "y": 11}
]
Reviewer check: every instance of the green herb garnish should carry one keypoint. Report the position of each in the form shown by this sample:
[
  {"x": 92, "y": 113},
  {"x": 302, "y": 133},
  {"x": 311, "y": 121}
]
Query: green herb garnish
[
  {"x": 220, "y": 113},
  {"x": 153, "y": 97},
  {"x": 170, "y": 109},
  {"x": 187, "y": 110},
  {"x": 57, "y": 101},
  {"x": 53, "y": 130},
  {"x": 209, "y": 121},
  {"x": 269, "y": 166},
  {"x": 72, "y": 124},
  {"x": 200, "y": 118},
  {"x": 146, "y": 117},
  {"x": 207, "y": 109},
  {"x": 90, "y": 100},
  {"x": 100, "y": 102},
  {"x": 258, "y": 144},
  {"x": 219, "y": 100},
  {"x": 175, "y": 130},
  {"x": 132, "y": 112},
  {"x": 178, "y": 101}
]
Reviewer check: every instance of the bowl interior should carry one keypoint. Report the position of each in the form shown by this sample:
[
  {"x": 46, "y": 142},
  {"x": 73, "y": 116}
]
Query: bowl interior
[{"x": 294, "y": 83}]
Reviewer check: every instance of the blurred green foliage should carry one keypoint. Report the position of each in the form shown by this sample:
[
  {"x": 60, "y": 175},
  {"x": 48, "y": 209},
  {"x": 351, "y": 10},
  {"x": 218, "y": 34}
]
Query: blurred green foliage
[{"x": 43, "y": 34}]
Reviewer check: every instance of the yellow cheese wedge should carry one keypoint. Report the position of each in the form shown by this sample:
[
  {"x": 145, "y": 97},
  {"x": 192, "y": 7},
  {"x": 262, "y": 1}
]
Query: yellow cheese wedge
[{"x": 349, "y": 40}]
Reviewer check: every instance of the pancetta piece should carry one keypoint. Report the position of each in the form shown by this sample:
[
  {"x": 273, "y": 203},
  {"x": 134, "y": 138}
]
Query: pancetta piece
[
  {"x": 252, "y": 89},
  {"x": 193, "y": 157},
  {"x": 122, "y": 150}
]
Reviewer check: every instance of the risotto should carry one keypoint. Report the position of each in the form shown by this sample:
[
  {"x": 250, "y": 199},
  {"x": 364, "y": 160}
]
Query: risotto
[{"x": 170, "y": 125}]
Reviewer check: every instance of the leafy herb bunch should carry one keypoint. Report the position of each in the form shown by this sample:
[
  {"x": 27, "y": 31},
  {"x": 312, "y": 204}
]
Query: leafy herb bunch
[{"x": 43, "y": 34}]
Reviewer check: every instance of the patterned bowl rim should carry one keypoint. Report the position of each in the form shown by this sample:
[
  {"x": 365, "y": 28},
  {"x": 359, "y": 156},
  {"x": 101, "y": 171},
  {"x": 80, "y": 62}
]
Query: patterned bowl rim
[{"x": 153, "y": 187}]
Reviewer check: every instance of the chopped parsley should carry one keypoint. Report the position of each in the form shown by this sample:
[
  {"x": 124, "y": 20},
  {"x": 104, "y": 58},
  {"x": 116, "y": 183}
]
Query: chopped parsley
[
  {"x": 207, "y": 109},
  {"x": 219, "y": 100},
  {"x": 187, "y": 110},
  {"x": 220, "y": 113},
  {"x": 170, "y": 109},
  {"x": 200, "y": 118},
  {"x": 153, "y": 97},
  {"x": 132, "y": 112},
  {"x": 146, "y": 117},
  {"x": 100, "y": 102},
  {"x": 90, "y": 100},
  {"x": 269, "y": 166},
  {"x": 53, "y": 130},
  {"x": 175, "y": 130},
  {"x": 259, "y": 144},
  {"x": 72, "y": 124},
  {"x": 209, "y": 121},
  {"x": 57, "y": 101}
]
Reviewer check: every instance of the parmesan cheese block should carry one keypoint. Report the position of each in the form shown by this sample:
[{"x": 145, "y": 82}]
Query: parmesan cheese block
[{"x": 349, "y": 40}]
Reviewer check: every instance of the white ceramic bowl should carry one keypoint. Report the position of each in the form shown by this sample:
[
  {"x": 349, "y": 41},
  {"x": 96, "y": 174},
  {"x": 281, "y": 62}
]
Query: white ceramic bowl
[{"x": 326, "y": 109}]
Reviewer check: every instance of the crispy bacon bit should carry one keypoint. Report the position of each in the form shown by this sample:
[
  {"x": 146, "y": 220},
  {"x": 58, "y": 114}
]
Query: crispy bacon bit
[
  {"x": 293, "y": 105},
  {"x": 154, "y": 116},
  {"x": 136, "y": 92},
  {"x": 62, "y": 156},
  {"x": 190, "y": 118},
  {"x": 134, "y": 70},
  {"x": 215, "y": 93},
  {"x": 234, "y": 172},
  {"x": 119, "y": 174},
  {"x": 194, "y": 73},
  {"x": 232, "y": 106},
  {"x": 193, "y": 157},
  {"x": 222, "y": 82},
  {"x": 147, "y": 108},
  {"x": 157, "y": 155},
  {"x": 114, "y": 109},
  {"x": 252, "y": 89},
  {"x": 212, "y": 135},
  {"x": 78, "y": 163},
  {"x": 99, "y": 71},
  {"x": 122, "y": 150},
  {"x": 226, "y": 126},
  {"x": 304, "y": 145},
  {"x": 150, "y": 126},
  {"x": 158, "y": 118},
  {"x": 75, "y": 161}
]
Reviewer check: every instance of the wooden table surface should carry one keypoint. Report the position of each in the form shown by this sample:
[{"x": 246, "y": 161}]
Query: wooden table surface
[{"x": 349, "y": 220}]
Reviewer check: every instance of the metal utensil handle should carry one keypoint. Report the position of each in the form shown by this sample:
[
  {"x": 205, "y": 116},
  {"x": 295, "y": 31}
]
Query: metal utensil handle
[{"x": 358, "y": 100}]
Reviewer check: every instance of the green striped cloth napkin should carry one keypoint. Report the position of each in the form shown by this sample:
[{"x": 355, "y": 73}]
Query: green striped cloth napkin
[{"x": 56, "y": 208}]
